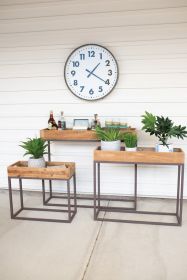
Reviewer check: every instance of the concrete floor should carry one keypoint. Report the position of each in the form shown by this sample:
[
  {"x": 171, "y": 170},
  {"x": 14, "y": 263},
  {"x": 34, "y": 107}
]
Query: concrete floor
[{"x": 88, "y": 250}]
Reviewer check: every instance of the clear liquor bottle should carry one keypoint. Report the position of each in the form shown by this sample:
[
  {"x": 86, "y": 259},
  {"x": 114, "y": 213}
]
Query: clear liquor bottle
[{"x": 61, "y": 122}]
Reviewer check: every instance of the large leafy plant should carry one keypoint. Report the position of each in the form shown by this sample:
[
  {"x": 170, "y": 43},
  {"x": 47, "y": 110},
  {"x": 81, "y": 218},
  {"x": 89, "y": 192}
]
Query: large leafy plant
[
  {"x": 108, "y": 134},
  {"x": 162, "y": 127},
  {"x": 34, "y": 147},
  {"x": 130, "y": 140}
]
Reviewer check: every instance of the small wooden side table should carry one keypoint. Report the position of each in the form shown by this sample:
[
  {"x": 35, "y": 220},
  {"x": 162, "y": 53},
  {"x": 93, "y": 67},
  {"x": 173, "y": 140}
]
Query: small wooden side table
[
  {"x": 143, "y": 156},
  {"x": 63, "y": 171}
]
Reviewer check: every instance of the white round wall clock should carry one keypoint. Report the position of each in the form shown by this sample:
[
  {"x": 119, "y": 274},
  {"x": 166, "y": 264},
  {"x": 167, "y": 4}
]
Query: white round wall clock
[{"x": 91, "y": 72}]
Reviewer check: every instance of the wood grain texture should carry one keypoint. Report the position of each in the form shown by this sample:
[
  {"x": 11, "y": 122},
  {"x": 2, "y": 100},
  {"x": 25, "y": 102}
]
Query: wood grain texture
[
  {"x": 53, "y": 170},
  {"x": 142, "y": 155},
  {"x": 70, "y": 134}
]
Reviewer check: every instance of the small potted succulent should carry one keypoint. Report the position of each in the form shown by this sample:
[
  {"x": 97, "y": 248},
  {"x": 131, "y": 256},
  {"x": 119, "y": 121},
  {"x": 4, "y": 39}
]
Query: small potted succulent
[
  {"x": 164, "y": 129},
  {"x": 110, "y": 138},
  {"x": 130, "y": 141},
  {"x": 36, "y": 148}
]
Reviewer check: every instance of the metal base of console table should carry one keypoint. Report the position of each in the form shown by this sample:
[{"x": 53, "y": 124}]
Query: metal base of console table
[
  {"x": 81, "y": 197},
  {"x": 98, "y": 208},
  {"x": 89, "y": 197},
  {"x": 70, "y": 213}
]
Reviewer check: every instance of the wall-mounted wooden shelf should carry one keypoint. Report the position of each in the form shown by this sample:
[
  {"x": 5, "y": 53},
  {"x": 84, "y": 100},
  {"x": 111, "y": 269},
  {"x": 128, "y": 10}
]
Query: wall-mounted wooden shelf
[
  {"x": 74, "y": 135},
  {"x": 142, "y": 155}
]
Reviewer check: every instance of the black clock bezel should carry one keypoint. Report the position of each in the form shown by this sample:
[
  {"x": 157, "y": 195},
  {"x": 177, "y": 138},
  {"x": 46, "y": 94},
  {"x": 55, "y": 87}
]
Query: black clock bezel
[{"x": 85, "y": 45}]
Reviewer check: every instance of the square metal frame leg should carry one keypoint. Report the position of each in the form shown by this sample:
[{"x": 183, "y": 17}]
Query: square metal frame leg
[
  {"x": 177, "y": 214},
  {"x": 81, "y": 197},
  {"x": 49, "y": 159},
  {"x": 15, "y": 215},
  {"x": 180, "y": 188},
  {"x": 69, "y": 197},
  {"x": 97, "y": 193}
]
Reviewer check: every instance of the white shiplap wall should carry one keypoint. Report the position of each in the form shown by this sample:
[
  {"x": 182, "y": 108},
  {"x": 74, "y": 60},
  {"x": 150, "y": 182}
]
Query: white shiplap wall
[{"x": 149, "y": 40}]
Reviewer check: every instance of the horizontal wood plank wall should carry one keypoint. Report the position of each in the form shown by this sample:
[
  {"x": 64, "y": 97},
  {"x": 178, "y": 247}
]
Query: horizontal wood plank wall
[{"x": 149, "y": 40}]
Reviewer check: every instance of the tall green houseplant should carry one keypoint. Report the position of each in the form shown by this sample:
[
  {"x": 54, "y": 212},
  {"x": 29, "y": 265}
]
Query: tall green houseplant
[{"x": 163, "y": 128}]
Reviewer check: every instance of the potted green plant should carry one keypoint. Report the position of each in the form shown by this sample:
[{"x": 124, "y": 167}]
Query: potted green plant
[
  {"x": 110, "y": 138},
  {"x": 164, "y": 129},
  {"x": 36, "y": 148},
  {"x": 130, "y": 141}
]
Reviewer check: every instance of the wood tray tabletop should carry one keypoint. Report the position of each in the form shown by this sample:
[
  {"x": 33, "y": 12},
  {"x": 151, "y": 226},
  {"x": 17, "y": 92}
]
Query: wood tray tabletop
[
  {"x": 58, "y": 170},
  {"x": 142, "y": 155},
  {"x": 74, "y": 135}
]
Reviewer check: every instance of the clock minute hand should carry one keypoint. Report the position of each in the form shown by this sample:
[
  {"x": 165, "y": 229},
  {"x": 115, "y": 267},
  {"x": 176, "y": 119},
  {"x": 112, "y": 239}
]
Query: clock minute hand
[
  {"x": 95, "y": 75},
  {"x": 91, "y": 72}
]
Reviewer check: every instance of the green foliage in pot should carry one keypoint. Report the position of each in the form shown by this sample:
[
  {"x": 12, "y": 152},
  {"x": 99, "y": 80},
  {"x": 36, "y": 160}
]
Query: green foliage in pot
[
  {"x": 34, "y": 147},
  {"x": 108, "y": 134},
  {"x": 162, "y": 127},
  {"x": 130, "y": 140}
]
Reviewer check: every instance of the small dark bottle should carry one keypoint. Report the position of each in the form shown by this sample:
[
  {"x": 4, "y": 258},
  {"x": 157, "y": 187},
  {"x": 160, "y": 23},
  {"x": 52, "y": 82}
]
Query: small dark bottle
[
  {"x": 51, "y": 122},
  {"x": 95, "y": 122}
]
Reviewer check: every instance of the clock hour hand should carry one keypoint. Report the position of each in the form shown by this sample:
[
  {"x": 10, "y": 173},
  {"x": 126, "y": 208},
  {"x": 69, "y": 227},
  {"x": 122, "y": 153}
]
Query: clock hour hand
[
  {"x": 91, "y": 72},
  {"x": 94, "y": 75}
]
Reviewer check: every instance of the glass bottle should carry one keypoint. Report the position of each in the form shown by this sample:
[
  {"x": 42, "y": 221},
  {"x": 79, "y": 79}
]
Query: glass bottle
[
  {"x": 61, "y": 121},
  {"x": 95, "y": 121},
  {"x": 51, "y": 122}
]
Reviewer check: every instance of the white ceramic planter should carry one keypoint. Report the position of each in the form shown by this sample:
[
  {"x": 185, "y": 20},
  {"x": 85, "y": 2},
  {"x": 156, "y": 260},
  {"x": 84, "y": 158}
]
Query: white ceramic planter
[
  {"x": 36, "y": 162},
  {"x": 131, "y": 149},
  {"x": 111, "y": 145},
  {"x": 165, "y": 149}
]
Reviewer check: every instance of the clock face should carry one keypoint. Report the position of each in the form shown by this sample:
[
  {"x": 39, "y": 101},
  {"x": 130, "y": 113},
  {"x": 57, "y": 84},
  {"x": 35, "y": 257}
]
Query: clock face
[{"x": 91, "y": 72}]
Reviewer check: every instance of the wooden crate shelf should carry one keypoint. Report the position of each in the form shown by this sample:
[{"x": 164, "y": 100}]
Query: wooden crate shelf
[
  {"x": 74, "y": 135},
  {"x": 142, "y": 155},
  {"x": 53, "y": 170}
]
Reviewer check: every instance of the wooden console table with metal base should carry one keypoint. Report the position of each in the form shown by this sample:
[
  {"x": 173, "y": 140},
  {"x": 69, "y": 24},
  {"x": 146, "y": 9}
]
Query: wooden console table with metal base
[
  {"x": 54, "y": 171},
  {"x": 74, "y": 136},
  {"x": 144, "y": 156}
]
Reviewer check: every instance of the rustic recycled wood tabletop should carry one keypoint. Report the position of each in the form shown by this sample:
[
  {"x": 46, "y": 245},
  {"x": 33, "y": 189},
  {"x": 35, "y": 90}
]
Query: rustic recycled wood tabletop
[
  {"x": 53, "y": 170},
  {"x": 142, "y": 155},
  {"x": 75, "y": 135}
]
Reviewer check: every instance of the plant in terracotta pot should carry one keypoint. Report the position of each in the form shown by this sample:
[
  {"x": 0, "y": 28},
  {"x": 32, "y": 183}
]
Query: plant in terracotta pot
[
  {"x": 110, "y": 138},
  {"x": 36, "y": 148},
  {"x": 164, "y": 129},
  {"x": 130, "y": 141}
]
